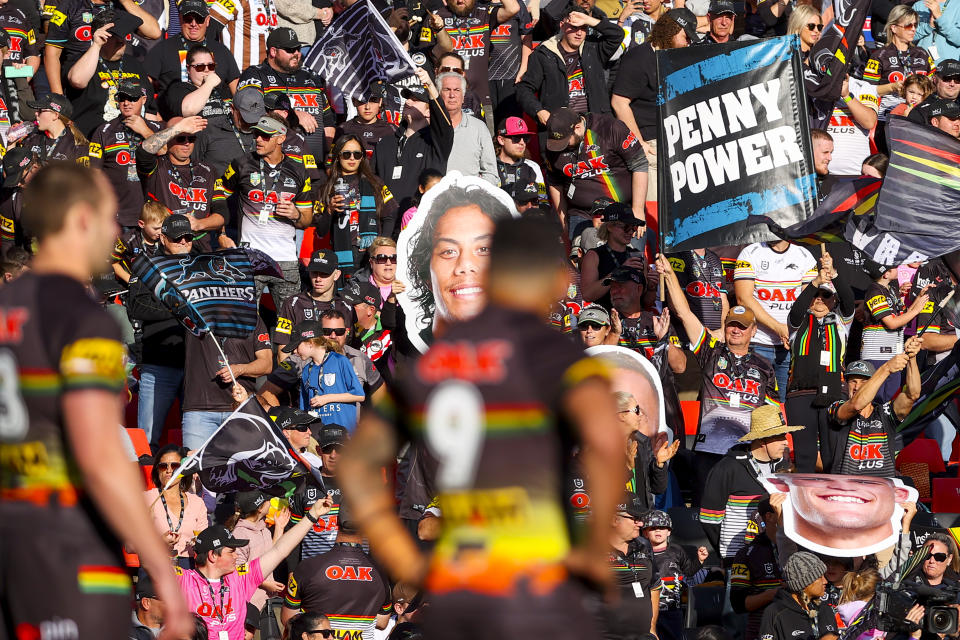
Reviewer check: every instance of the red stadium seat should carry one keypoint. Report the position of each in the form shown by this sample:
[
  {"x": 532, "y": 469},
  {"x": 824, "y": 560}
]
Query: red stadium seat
[
  {"x": 147, "y": 471},
  {"x": 132, "y": 560},
  {"x": 139, "y": 439},
  {"x": 924, "y": 450},
  {"x": 691, "y": 415},
  {"x": 946, "y": 495}
]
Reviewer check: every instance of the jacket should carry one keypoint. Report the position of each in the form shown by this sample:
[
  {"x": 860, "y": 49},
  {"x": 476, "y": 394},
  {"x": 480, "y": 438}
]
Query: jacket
[
  {"x": 785, "y": 619},
  {"x": 161, "y": 340},
  {"x": 942, "y": 41},
  {"x": 655, "y": 479},
  {"x": 544, "y": 84}
]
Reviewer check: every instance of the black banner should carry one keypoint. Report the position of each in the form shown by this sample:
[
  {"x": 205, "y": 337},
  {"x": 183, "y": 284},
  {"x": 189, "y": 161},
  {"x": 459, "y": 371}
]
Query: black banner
[{"x": 733, "y": 143}]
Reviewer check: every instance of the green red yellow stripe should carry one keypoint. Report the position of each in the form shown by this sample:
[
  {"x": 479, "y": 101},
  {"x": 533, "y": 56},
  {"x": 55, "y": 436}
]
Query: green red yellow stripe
[{"x": 95, "y": 579}]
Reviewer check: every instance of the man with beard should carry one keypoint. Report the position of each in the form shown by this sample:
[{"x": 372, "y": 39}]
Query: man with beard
[
  {"x": 517, "y": 173},
  {"x": 423, "y": 140},
  {"x": 281, "y": 72},
  {"x": 470, "y": 25},
  {"x": 114, "y": 144}
]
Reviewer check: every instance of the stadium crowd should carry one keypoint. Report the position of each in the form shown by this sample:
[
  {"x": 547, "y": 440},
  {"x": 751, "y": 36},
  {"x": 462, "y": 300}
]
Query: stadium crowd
[{"x": 476, "y": 476}]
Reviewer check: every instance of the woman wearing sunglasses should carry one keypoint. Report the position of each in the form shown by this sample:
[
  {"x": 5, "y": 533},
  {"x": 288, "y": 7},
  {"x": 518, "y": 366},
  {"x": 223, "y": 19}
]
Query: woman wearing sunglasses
[
  {"x": 941, "y": 566},
  {"x": 806, "y": 22},
  {"x": 890, "y": 65},
  {"x": 178, "y": 514},
  {"x": 204, "y": 94},
  {"x": 359, "y": 204},
  {"x": 308, "y": 626}
]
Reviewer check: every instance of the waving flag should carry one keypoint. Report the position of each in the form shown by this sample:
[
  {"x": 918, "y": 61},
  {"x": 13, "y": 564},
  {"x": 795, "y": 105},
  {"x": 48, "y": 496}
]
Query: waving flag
[
  {"x": 208, "y": 292},
  {"x": 358, "y": 49},
  {"x": 247, "y": 452},
  {"x": 934, "y": 392}
]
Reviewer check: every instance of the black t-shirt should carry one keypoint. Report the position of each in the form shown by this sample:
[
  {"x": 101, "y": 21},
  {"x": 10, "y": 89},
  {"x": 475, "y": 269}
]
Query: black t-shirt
[
  {"x": 63, "y": 148},
  {"x": 112, "y": 148},
  {"x": 217, "y": 106},
  {"x": 97, "y": 102},
  {"x": 578, "y": 95},
  {"x": 640, "y": 86},
  {"x": 674, "y": 567},
  {"x": 635, "y": 577},
  {"x": 167, "y": 62},
  {"x": 869, "y": 444},
  {"x": 202, "y": 388},
  {"x": 371, "y": 133}
]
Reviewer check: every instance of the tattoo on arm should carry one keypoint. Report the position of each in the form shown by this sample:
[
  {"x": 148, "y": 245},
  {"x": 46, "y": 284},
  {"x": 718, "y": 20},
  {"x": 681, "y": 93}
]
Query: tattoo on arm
[{"x": 157, "y": 141}]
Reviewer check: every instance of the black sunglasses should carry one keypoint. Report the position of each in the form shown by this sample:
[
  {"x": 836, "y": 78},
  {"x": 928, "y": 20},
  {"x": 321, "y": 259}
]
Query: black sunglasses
[
  {"x": 814, "y": 27},
  {"x": 191, "y": 18},
  {"x": 331, "y": 448},
  {"x": 184, "y": 238},
  {"x": 583, "y": 326},
  {"x": 290, "y": 50},
  {"x": 263, "y": 135},
  {"x": 298, "y": 427},
  {"x": 326, "y": 633},
  {"x": 382, "y": 258},
  {"x": 163, "y": 466},
  {"x": 950, "y": 79},
  {"x": 123, "y": 97},
  {"x": 939, "y": 557},
  {"x": 209, "y": 66},
  {"x": 356, "y": 155},
  {"x": 516, "y": 139},
  {"x": 329, "y": 331},
  {"x": 824, "y": 294},
  {"x": 184, "y": 139}
]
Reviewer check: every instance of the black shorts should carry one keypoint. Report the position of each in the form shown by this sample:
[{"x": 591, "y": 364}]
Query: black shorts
[
  {"x": 61, "y": 576},
  {"x": 558, "y": 615}
]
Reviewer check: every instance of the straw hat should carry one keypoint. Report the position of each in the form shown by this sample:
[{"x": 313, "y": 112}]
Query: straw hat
[{"x": 765, "y": 422}]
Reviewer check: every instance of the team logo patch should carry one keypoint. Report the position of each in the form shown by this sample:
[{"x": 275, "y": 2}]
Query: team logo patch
[
  {"x": 255, "y": 179},
  {"x": 329, "y": 379},
  {"x": 208, "y": 267},
  {"x": 721, "y": 363},
  {"x": 419, "y": 59}
]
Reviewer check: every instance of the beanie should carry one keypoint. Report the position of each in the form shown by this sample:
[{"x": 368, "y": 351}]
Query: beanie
[{"x": 801, "y": 570}]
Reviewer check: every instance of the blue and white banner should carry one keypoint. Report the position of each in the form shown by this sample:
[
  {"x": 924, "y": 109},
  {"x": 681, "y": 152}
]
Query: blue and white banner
[{"x": 734, "y": 143}]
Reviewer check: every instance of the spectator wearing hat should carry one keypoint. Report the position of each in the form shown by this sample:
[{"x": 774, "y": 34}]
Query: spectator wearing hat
[
  {"x": 281, "y": 71},
  {"x": 947, "y": 79},
  {"x": 863, "y": 428},
  {"x": 634, "y": 97},
  {"x": 56, "y": 137},
  {"x": 330, "y": 441},
  {"x": 517, "y": 172},
  {"x": 223, "y": 608},
  {"x": 755, "y": 575},
  {"x": 19, "y": 163},
  {"x": 113, "y": 148},
  {"x": 297, "y": 427},
  {"x": 733, "y": 490},
  {"x": 677, "y": 571},
  {"x": 203, "y": 93},
  {"x": 618, "y": 227},
  {"x": 373, "y": 336},
  {"x": 472, "y": 153},
  {"x": 225, "y": 141},
  {"x": 721, "y": 16},
  {"x": 819, "y": 322},
  {"x": 796, "y": 612},
  {"x": 323, "y": 270},
  {"x": 251, "y": 525},
  {"x": 147, "y": 617},
  {"x": 366, "y": 125},
  {"x": 95, "y": 79},
  {"x": 167, "y": 62},
  {"x": 734, "y": 381},
  {"x": 423, "y": 140},
  {"x": 944, "y": 115},
  {"x": 593, "y": 326}
]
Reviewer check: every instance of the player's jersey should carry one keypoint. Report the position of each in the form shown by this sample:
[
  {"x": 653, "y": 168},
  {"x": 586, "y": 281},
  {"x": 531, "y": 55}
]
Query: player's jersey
[
  {"x": 23, "y": 40},
  {"x": 44, "y": 354},
  {"x": 303, "y": 88},
  {"x": 870, "y": 446},
  {"x": 323, "y": 534},
  {"x": 506, "y": 45},
  {"x": 879, "y": 343},
  {"x": 303, "y": 307},
  {"x": 471, "y": 39},
  {"x": 112, "y": 148},
  {"x": 246, "y": 25},
  {"x": 71, "y": 28},
  {"x": 777, "y": 277},
  {"x": 703, "y": 284},
  {"x": 851, "y": 142},
  {"x": 63, "y": 148},
  {"x": 732, "y": 387},
  {"x": 259, "y": 188},
  {"x": 130, "y": 245},
  {"x": 485, "y": 401},
  {"x": 674, "y": 567},
  {"x": 186, "y": 189}
]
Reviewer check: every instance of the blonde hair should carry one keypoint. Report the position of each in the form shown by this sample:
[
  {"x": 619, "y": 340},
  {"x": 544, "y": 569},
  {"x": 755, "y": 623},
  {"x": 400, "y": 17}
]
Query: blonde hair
[
  {"x": 623, "y": 399},
  {"x": 327, "y": 343},
  {"x": 78, "y": 138},
  {"x": 859, "y": 585},
  {"x": 153, "y": 212},
  {"x": 897, "y": 14},
  {"x": 378, "y": 242},
  {"x": 801, "y": 16}
]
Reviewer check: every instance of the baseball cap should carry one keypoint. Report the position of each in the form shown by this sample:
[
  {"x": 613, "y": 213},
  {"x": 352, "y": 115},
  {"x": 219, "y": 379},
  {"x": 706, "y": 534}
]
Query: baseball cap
[
  {"x": 283, "y": 38},
  {"x": 630, "y": 503},
  {"x": 362, "y": 293},
  {"x": 940, "y": 107},
  {"x": 270, "y": 126},
  {"x": 859, "y": 369},
  {"x": 250, "y": 501},
  {"x": 948, "y": 67},
  {"x": 594, "y": 313},
  {"x": 14, "y": 164},
  {"x": 287, "y": 417},
  {"x": 145, "y": 588},
  {"x": 130, "y": 87},
  {"x": 828, "y": 286},
  {"x": 687, "y": 21},
  {"x": 560, "y": 128},
  {"x": 176, "y": 226},
  {"x": 249, "y": 102},
  {"x": 513, "y": 126},
  {"x": 416, "y": 92},
  {"x": 657, "y": 519},
  {"x": 720, "y": 7},
  {"x": 874, "y": 269},
  {"x": 302, "y": 331},
  {"x": 322, "y": 262},
  {"x": 598, "y": 207},
  {"x": 375, "y": 91},
  {"x": 524, "y": 194},
  {"x": 277, "y": 101},
  {"x": 625, "y": 274},
  {"x": 54, "y": 102},
  {"x": 124, "y": 24},
  {"x": 740, "y": 315},
  {"x": 197, "y": 7},
  {"x": 621, "y": 212},
  {"x": 217, "y": 537},
  {"x": 331, "y": 434}
]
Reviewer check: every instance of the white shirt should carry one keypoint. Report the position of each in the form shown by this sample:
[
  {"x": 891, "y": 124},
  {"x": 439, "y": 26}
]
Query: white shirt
[{"x": 851, "y": 142}]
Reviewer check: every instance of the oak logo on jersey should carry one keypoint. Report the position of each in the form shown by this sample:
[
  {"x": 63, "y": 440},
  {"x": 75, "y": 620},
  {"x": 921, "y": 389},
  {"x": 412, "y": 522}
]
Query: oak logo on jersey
[
  {"x": 360, "y": 574},
  {"x": 11, "y": 323},
  {"x": 481, "y": 362},
  {"x": 586, "y": 168},
  {"x": 740, "y": 385}
]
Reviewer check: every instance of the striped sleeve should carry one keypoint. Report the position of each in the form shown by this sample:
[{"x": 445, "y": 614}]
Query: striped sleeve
[
  {"x": 744, "y": 270},
  {"x": 303, "y": 198},
  {"x": 291, "y": 595},
  {"x": 93, "y": 363}
]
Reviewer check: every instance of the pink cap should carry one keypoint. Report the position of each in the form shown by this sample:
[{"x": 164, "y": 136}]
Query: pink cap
[{"x": 514, "y": 126}]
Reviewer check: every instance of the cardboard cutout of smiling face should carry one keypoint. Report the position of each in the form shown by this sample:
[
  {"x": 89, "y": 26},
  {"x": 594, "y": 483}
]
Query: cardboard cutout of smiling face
[{"x": 841, "y": 515}]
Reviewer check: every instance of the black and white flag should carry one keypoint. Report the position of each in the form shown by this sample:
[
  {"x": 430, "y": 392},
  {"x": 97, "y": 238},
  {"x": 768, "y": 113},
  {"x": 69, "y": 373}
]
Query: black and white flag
[{"x": 357, "y": 50}]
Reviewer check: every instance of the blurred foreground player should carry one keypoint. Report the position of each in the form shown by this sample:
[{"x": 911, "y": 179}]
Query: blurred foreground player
[
  {"x": 497, "y": 403},
  {"x": 67, "y": 489}
]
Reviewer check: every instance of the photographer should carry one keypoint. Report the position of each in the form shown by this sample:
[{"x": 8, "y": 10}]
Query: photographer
[
  {"x": 941, "y": 565},
  {"x": 796, "y": 612}
]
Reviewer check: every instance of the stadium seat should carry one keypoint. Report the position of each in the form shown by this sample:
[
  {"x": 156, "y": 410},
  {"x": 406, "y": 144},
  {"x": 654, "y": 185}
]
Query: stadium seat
[
  {"x": 691, "y": 416},
  {"x": 132, "y": 560},
  {"x": 687, "y": 529},
  {"x": 139, "y": 439},
  {"x": 924, "y": 450},
  {"x": 704, "y": 605},
  {"x": 919, "y": 472},
  {"x": 946, "y": 495},
  {"x": 146, "y": 471},
  {"x": 947, "y": 520}
]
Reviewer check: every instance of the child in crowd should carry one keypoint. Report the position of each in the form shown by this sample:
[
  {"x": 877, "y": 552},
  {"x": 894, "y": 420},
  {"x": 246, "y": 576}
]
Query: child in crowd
[
  {"x": 428, "y": 178},
  {"x": 329, "y": 387},
  {"x": 915, "y": 89},
  {"x": 676, "y": 569},
  {"x": 144, "y": 239}
]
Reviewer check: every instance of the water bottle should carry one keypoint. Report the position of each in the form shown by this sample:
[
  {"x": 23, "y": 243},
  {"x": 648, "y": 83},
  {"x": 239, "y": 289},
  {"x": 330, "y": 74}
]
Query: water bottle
[{"x": 341, "y": 188}]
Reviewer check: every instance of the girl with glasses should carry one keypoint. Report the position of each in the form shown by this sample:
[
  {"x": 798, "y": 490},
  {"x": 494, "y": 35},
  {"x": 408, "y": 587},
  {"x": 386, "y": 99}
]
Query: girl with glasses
[
  {"x": 178, "y": 514},
  {"x": 359, "y": 205}
]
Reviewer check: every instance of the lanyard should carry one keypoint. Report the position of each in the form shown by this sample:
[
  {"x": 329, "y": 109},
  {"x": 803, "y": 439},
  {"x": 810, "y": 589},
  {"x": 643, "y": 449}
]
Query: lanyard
[
  {"x": 167, "y": 512},
  {"x": 223, "y": 594},
  {"x": 243, "y": 147},
  {"x": 176, "y": 177}
]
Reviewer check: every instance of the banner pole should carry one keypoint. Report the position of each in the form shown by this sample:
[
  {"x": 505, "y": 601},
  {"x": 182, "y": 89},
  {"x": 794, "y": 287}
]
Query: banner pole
[{"x": 224, "y": 356}]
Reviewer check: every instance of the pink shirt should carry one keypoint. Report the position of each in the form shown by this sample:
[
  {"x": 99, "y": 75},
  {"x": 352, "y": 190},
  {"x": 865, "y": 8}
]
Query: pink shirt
[
  {"x": 407, "y": 217},
  {"x": 194, "y": 518},
  {"x": 227, "y": 601},
  {"x": 260, "y": 540}
]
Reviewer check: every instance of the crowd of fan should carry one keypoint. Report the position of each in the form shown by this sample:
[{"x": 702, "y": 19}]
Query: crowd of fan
[{"x": 182, "y": 105}]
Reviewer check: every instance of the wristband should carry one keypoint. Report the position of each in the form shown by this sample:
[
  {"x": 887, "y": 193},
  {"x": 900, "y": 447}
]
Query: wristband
[
  {"x": 846, "y": 99},
  {"x": 311, "y": 518}
]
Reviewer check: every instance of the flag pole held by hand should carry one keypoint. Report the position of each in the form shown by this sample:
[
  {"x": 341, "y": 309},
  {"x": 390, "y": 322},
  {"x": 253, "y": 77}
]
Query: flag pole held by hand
[
  {"x": 943, "y": 303},
  {"x": 224, "y": 356}
]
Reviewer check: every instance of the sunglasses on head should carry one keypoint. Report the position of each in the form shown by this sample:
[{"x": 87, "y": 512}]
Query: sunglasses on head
[
  {"x": 456, "y": 70},
  {"x": 329, "y": 331},
  {"x": 184, "y": 139},
  {"x": 163, "y": 466},
  {"x": 583, "y": 326},
  {"x": 191, "y": 18},
  {"x": 814, "y": 27},
  {"x": 326, "y": 633},
  {"x": 383, "y": 258},
  {"x": 355, "y": 155},
  {"x": 939, "y": 557},
  {"x": 208, "y": 66}
]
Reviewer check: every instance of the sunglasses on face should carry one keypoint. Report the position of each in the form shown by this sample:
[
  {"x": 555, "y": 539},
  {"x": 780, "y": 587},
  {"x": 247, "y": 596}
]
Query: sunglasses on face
[
  {"x": 950, "y": 79},
  {"x": 583, "y": 326},
  {"x": 939, "y": 557},
  {"x": 182, "y": 239},
  {"x": 517, "y": 139},
  {"x": 184, "y": 139},
  {"x": 824, "y": 295},
  {"x": 339, "y": 331},
  {"x": 125, "y": 98},
  {"x": 383, "y": 258},
  {"x": 627, "y": 516},
  {"x": 355, "y": 155},
  {"x": 209, "y": 66},
  {"x": 456, "y": 70},
  {"x": 908, "y": 27},
  {"x": 326, "y": 633},
  {"x": 333, "y": 448},
  {"x": 635, "y": 410},
  {"x": 191, "y": 18},
  {"x": 163, "y": 466},
  {"x": 298, "y": 427},
  {"x": 263, "y": 135},
  {"x": 814, "y": 27},
  {"x": 290, "y": 50}
]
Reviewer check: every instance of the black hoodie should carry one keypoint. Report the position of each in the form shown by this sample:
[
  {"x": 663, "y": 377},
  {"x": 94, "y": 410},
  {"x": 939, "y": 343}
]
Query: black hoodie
[{"x": 785, "y": 619}]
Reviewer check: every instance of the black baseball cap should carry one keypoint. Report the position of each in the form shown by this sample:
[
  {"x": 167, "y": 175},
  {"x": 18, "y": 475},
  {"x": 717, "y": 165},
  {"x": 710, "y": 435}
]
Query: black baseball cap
[
  {"x": 217, "y": 537},
  {"x": 131, "y": 88},
  {"x": 621, "y": 212},
  {"x": 54, "y": 102},
  {"x": 288, "y": 417},
  {"x": 362, "y": 292},
  {"x": 124, "y": 24},
  {"x": 277, "y": 101},
  {"x": 560, "y": 127},
  {"x": 631, "y": 504},
  {"x": 720, "y": 7},
  {"x": 14, "y": 164},
  {"x": 874, "y": 269},
  {"x": 331, "y": 434},
  {"x": 196, "y": 7},
  {"x": 250, "y": 501},
  {"x": 283, "y": 38},
  {"x": 145, "y": 588},
  {"x": 687, "y": 21},
  {"x": 625, "y": 274},
  {"x": 943, "y": 108},
  {"x": 599, "y": 205},
  {"x": 416, "y": 92},
  {"x": 302, "y": 331},
  {"x": 375, "y": 91},
  {"x": 526, "y": 194},
  {"x": 323, "y": 262},
  {"x": 176, "y": 226},
  {"x": 948, "y": 67}
]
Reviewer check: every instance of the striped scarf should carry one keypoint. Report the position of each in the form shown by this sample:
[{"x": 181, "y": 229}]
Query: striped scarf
[{"x": 807, "y": 372}]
